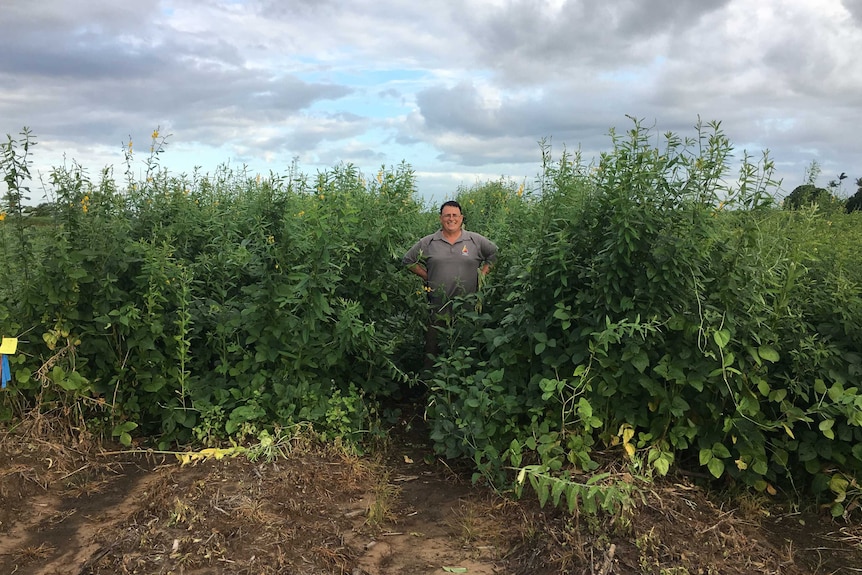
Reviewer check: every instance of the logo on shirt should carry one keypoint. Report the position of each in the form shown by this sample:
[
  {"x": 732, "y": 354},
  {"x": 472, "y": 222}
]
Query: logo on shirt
[{"x": 464, "y": 251}]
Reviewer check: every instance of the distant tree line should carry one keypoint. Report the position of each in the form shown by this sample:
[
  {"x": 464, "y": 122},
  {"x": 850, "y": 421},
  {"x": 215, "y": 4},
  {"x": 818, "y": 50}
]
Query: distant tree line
[{"x": 825, "y": 198}]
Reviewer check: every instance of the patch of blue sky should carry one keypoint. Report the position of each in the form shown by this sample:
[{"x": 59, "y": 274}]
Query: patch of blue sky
[
  {"x": 364, "y": 78},
  {"x": 371, "y": 77},
  {"x": 367, "y": 103}
]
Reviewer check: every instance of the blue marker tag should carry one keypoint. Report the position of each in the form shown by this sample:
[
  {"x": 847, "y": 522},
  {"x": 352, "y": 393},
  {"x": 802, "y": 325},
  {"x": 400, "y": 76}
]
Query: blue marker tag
[{"x": 5, "y": 375}]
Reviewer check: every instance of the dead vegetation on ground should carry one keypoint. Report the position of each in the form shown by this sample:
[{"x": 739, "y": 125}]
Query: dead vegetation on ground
[{"x": 76, "y": 507}]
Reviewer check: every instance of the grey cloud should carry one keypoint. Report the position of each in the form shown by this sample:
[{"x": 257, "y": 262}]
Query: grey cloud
[
  {"x": 560, "y": 113},
  {"x": 855, "y": 9},
  {"x": 524, "y": 41},
  {"x": 456, "y": 108},
  {"x": 265, "y": 76},
  {"x": 110, "y": 86},
  {"x": 661, "y": 17}
]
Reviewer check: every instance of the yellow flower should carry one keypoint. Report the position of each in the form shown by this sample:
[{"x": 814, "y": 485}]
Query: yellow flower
[
  {"x": 300, "y": 214},
  {"x": 270, "y": 240},
  {"x": 155, "y": 134},
  {"x": 2, "y": 216},
  {"x": 521, "y": 191}
]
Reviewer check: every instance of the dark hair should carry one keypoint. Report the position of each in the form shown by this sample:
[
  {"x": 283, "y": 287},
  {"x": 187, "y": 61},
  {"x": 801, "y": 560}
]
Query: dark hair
[{"x": 453, "y": 204}]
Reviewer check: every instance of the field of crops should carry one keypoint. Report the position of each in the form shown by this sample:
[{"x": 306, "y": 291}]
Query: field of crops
[{"x": 649, "y": 309}]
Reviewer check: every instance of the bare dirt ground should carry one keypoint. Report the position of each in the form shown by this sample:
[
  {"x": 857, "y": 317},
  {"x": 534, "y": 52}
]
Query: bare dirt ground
[{"x": 71, "y": 509}]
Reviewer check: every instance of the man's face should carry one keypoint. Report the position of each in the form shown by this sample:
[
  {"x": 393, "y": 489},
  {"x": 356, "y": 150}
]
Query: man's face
[{"x": 451, "y": 218}]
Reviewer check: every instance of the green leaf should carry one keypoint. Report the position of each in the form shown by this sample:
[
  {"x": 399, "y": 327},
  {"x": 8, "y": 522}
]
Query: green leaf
[
  {"x": 585, "y": 410},
  {"x": 768, "y": 353},
  {"x": 573, "y": 491},
  {"x": 557, "y": 491},
  {"x": 716, "y": 467},
  {"x": 838, "y": 485},
  {"x": 542, "y": 489},
  {"x": 836, "y": 391},
  {"x": 662, "y": 464},
  {"x": 721, "y": 337},
  {"x": 753, "y": 353},
  {"x": 825, "y": 427},
  {"x": 705, "y": 456},
  {"x": 561, "y": 312},
  {"x": 760, "y": 467},
  {"x": 455, "y": 569},
  {"x": 780, "y": 457},
  {"x": 154, "y": 384},
  {"x": 819, "y": 386},
  {"x": 720, "y": 450},
  {"x": 640, "y": 361}
]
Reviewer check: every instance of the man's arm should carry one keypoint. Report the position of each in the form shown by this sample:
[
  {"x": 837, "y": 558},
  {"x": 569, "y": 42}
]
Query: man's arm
[
  {"x": 419, "y": 270},
  {"x": 413, "y": 260},
  {"x": 489, "y": 254}
]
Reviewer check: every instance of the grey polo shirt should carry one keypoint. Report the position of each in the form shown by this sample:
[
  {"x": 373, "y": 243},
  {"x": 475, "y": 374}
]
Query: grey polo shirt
[{"x": 452, "y": 268}]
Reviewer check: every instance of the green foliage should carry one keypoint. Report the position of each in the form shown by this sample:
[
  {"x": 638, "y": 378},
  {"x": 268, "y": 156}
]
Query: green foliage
[
  {"x": 854, "y": 202},
  {"x": 643, "y": 304},
  {"x": 213, "y": 306},
  {"x": 808, "y": 195},
  {"x": 592, "y": 496},
  {"x": 646, "y": 306}
]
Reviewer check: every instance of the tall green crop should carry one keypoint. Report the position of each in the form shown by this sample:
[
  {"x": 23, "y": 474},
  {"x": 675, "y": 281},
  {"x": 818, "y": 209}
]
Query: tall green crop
[{"x": 656, "y": 307}]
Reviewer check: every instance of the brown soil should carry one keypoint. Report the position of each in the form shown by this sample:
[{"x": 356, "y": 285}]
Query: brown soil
[{"x": 80, "y": 511}]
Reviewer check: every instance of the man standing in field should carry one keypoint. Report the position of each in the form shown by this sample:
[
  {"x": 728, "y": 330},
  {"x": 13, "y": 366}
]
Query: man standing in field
[{"x": 450, "y": 261}]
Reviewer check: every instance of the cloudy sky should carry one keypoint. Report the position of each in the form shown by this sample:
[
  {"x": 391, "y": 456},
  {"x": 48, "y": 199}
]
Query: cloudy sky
[{"x": 462, "y": 90}]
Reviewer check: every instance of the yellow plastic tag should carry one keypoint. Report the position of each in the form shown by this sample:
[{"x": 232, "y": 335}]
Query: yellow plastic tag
[{"x": 9, "y": 345}]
